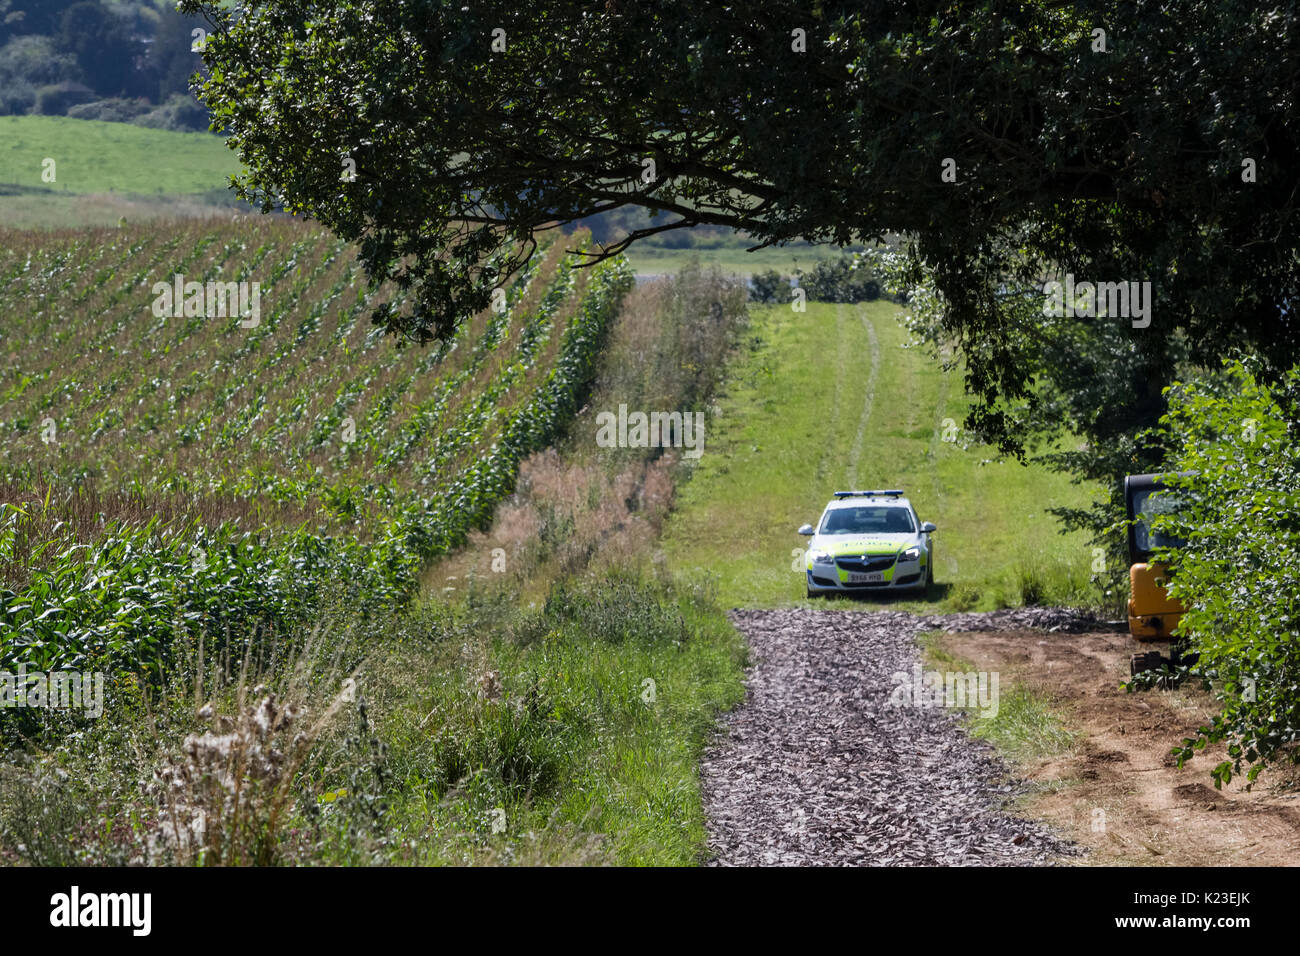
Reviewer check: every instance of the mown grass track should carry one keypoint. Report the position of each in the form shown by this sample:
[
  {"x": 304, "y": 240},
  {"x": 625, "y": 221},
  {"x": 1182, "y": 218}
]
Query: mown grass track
[{"x": 834, "y": 398}]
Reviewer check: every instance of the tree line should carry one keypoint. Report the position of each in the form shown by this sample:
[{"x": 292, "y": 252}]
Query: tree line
[{"x": 125, "y": 61}]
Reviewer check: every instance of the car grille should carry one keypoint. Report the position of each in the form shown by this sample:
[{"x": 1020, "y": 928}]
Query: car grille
[{"x": 870, "y": 563}]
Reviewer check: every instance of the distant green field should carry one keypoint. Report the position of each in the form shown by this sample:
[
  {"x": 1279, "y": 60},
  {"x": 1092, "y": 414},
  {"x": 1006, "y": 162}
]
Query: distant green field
[
  {"x": 94, "y": 157},
  {"x": 648, "y": 259},
  {"x": 110, "y": 171},
  {"x": 38, "y": 209},
  {"x": 832, "y": 399}
]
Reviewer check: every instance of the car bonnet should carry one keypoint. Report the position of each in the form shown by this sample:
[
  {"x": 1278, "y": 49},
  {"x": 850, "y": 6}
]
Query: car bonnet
[{"x": 840, "y": 545}]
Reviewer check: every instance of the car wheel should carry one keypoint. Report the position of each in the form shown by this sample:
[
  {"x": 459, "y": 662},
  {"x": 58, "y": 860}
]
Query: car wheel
[{"x": 812, "y": 594}]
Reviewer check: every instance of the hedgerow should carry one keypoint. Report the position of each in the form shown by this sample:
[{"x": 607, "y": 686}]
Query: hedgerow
[{"x": 1239, "y": 574}]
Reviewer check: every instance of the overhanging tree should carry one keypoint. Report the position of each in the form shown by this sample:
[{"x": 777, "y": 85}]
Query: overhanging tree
[{"x": 1163, "y": 148}]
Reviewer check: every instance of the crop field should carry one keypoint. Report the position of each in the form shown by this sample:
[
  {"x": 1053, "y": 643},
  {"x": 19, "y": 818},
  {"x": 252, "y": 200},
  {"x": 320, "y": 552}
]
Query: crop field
[{"x": 166, "y": 466}]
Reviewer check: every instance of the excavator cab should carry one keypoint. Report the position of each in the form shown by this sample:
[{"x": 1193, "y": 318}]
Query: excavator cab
[{"x": 1152, "y": 614}]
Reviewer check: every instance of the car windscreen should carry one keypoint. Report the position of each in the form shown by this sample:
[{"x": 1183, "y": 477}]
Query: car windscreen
[
  {"x": 868, "y": 519},
  {"x": 1146, "y": 505}
]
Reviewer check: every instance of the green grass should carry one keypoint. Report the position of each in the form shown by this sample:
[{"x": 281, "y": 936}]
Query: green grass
[
  {"x": 638, "y": 781},
  {"x": 38, "y": 209},
  {"x": 95, "y": 157},
  {"x": 1025, "y": 727},
  {"x": 649, "y": 259},
  {"x": 796, "y": 425},
  {"x": 567, "y": 760}
]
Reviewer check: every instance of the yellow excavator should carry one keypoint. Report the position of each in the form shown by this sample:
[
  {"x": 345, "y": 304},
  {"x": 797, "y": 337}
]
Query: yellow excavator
[{"x": 1153, "y": 615}]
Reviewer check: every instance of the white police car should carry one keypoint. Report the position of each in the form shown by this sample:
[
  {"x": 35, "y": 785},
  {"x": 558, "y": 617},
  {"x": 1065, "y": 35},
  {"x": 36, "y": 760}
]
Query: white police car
[{"x": 869, "y": 541}]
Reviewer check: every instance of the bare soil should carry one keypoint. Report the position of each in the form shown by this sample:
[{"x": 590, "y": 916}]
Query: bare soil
[{"x": 1118, "y": 792}]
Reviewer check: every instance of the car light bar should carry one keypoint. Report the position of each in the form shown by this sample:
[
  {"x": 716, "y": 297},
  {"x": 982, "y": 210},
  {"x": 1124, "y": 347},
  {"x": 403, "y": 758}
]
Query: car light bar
[{"x": 894, "y": 493}]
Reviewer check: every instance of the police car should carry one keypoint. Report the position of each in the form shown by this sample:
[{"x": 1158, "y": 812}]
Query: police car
[{"x": 869, "y": 541}]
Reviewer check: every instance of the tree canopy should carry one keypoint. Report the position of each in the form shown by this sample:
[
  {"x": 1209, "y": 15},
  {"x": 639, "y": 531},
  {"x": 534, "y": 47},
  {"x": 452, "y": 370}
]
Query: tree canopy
[{"x": 1015, "y": 141}]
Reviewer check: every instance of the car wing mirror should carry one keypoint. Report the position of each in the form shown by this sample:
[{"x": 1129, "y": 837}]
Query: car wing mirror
[
  {"x": 928, "y": 527},
  {"x": 807, "y": 529}
]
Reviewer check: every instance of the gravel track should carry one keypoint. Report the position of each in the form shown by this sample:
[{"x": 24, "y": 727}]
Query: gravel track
[{"x": 819, "y": 767}]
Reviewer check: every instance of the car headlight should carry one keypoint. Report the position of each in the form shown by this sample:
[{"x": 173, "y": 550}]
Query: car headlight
[
  {"x": 912, "y": 554},
  {"x": 821, "y": 557}
]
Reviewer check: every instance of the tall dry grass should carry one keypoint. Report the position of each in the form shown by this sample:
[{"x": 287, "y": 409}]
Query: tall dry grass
[{"x": 579, "y": 507}]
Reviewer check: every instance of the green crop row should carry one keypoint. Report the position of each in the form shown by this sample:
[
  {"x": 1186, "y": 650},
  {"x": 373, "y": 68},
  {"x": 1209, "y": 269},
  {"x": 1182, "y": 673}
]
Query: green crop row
[{"x": 83, "y": 586}]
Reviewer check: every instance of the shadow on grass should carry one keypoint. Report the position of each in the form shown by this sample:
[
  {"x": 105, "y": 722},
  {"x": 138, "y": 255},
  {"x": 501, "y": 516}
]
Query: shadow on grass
[{"x": 936, "y": 594}]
